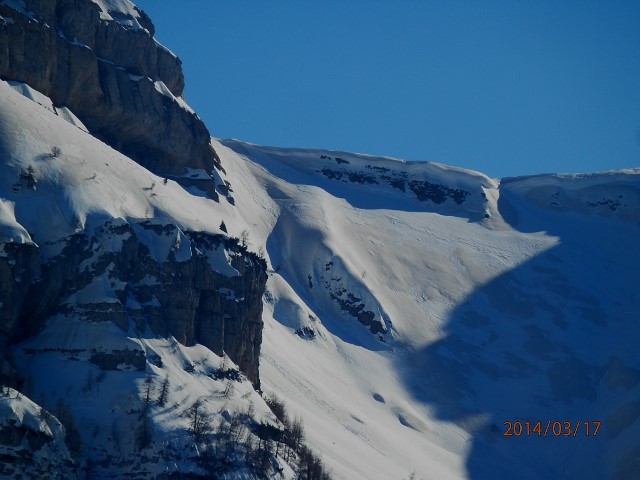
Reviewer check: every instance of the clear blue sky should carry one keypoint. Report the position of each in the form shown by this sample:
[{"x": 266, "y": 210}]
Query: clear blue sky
[{"x": 508, "y": 87}]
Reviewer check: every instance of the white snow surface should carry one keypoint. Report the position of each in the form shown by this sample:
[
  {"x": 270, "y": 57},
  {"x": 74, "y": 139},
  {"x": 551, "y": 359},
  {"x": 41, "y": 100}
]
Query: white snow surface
[
  {"x": 19, "y": 412},
  {"x": 46, "y": 102},
  {"x": 10, "y": 230},
  {"x": 121, "y": 11},
  {"x": 86, "y": 182},
  {"x": 84, "y": 185},
  {"x": 518, "y": 303},
  {"x": 526, "y": 313}
]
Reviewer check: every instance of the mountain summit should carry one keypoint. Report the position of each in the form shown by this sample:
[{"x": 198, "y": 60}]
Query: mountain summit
[{"x": 176, "y": 306}]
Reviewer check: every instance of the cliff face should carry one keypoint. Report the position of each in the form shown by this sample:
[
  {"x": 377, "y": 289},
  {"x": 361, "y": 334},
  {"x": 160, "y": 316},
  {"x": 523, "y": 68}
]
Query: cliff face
[
  {"x": 116, "y": 289},
  {"x": 196, "y": 287},
  {"x": 104, "y": 65},
  {"x": 100, "y": 60},
  {"x": 19, "y": 266}
]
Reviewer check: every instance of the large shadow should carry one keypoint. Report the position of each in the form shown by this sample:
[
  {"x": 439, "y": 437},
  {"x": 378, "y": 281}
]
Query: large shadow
[{"x": 555, "y": 339}]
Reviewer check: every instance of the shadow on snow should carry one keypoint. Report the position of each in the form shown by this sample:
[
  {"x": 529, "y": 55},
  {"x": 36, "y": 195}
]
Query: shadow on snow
[{"x": 554, "y": 339}]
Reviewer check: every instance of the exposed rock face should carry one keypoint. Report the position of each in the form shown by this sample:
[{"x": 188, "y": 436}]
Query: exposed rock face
[
  {"x": 107, "y": 68},
  {"x": 18, "y": 268},
  {"x": 350, "y": 303},
  {"x": 196, "y": 287}
]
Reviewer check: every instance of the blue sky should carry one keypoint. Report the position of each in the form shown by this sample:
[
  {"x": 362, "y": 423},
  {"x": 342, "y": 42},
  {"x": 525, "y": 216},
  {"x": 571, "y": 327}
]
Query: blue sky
[{"x": 504, "y": 87}]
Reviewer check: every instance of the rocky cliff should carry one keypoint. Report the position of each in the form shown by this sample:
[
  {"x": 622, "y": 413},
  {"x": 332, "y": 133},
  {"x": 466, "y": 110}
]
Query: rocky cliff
[
  {"x": 100, "y": 60},
  {"x": 194, "y": 286}
]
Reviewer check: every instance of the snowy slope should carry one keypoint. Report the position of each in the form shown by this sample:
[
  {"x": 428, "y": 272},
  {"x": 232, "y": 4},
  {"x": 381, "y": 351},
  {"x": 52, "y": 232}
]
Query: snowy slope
[
  {"x": 32, "y": 436},
  {"x": 106, "y": 378},
  {"x": 509, "y": 307},
  {"x": 411, "y": 308},
  {"x": 86, "y": 180}
]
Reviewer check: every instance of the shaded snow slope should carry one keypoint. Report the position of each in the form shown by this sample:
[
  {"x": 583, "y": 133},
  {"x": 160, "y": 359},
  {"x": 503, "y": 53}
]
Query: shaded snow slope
[
  {"x": 115, "y": 407},
  {"x": 517, "y": 303},
  {"x": 612, "y": 194}
]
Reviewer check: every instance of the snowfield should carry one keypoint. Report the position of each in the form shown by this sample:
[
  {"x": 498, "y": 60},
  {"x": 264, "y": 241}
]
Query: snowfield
[
  {"x": 411, "y": 308},
  {"x": 519, "y": 304}
]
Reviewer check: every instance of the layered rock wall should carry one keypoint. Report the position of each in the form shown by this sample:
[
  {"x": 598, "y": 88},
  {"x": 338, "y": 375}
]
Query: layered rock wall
[
  {"x": 196, "y": 287},
  {"x": 108, "y": 69}
]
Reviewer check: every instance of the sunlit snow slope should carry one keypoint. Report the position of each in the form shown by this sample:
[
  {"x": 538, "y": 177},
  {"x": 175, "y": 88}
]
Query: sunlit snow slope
[
  {"x": 83, "y": 364},
  {"x": 411, "y": 308},
  {"x": 489, "y": 302}
]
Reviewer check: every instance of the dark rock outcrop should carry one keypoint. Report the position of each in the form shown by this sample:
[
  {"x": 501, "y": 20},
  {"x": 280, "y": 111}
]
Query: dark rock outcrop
[
  {"x": 19, "y": 266},
  {"x": 112, "y": 74},
  {"x": 424, "y": 191},
  {"x": 119, "y": 359},
  {"x": 196, "y": 287},
  {"x": 348, "y": 302}
]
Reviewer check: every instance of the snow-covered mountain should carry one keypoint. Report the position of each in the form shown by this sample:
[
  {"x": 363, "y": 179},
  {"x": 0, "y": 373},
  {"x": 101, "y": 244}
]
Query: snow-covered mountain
[
  {"x": 517, "y": 304},
  {"x": 156, "y": 294}
]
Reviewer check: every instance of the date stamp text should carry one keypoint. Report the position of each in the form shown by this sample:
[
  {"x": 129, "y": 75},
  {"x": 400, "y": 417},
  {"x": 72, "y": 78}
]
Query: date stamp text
[{"x": 557, "y": 428}]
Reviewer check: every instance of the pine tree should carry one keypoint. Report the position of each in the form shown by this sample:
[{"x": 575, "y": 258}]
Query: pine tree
[
  {"x": 148, "y": 390},
  {"x": 164, "y": 392},
  {"x": 297, "y": 433},
  {"x": 72, "y": 435},
  {"x": 143, "y": 434},
  {"x": 199, "y": 421},
  {"x": 244, "y": 239}
]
